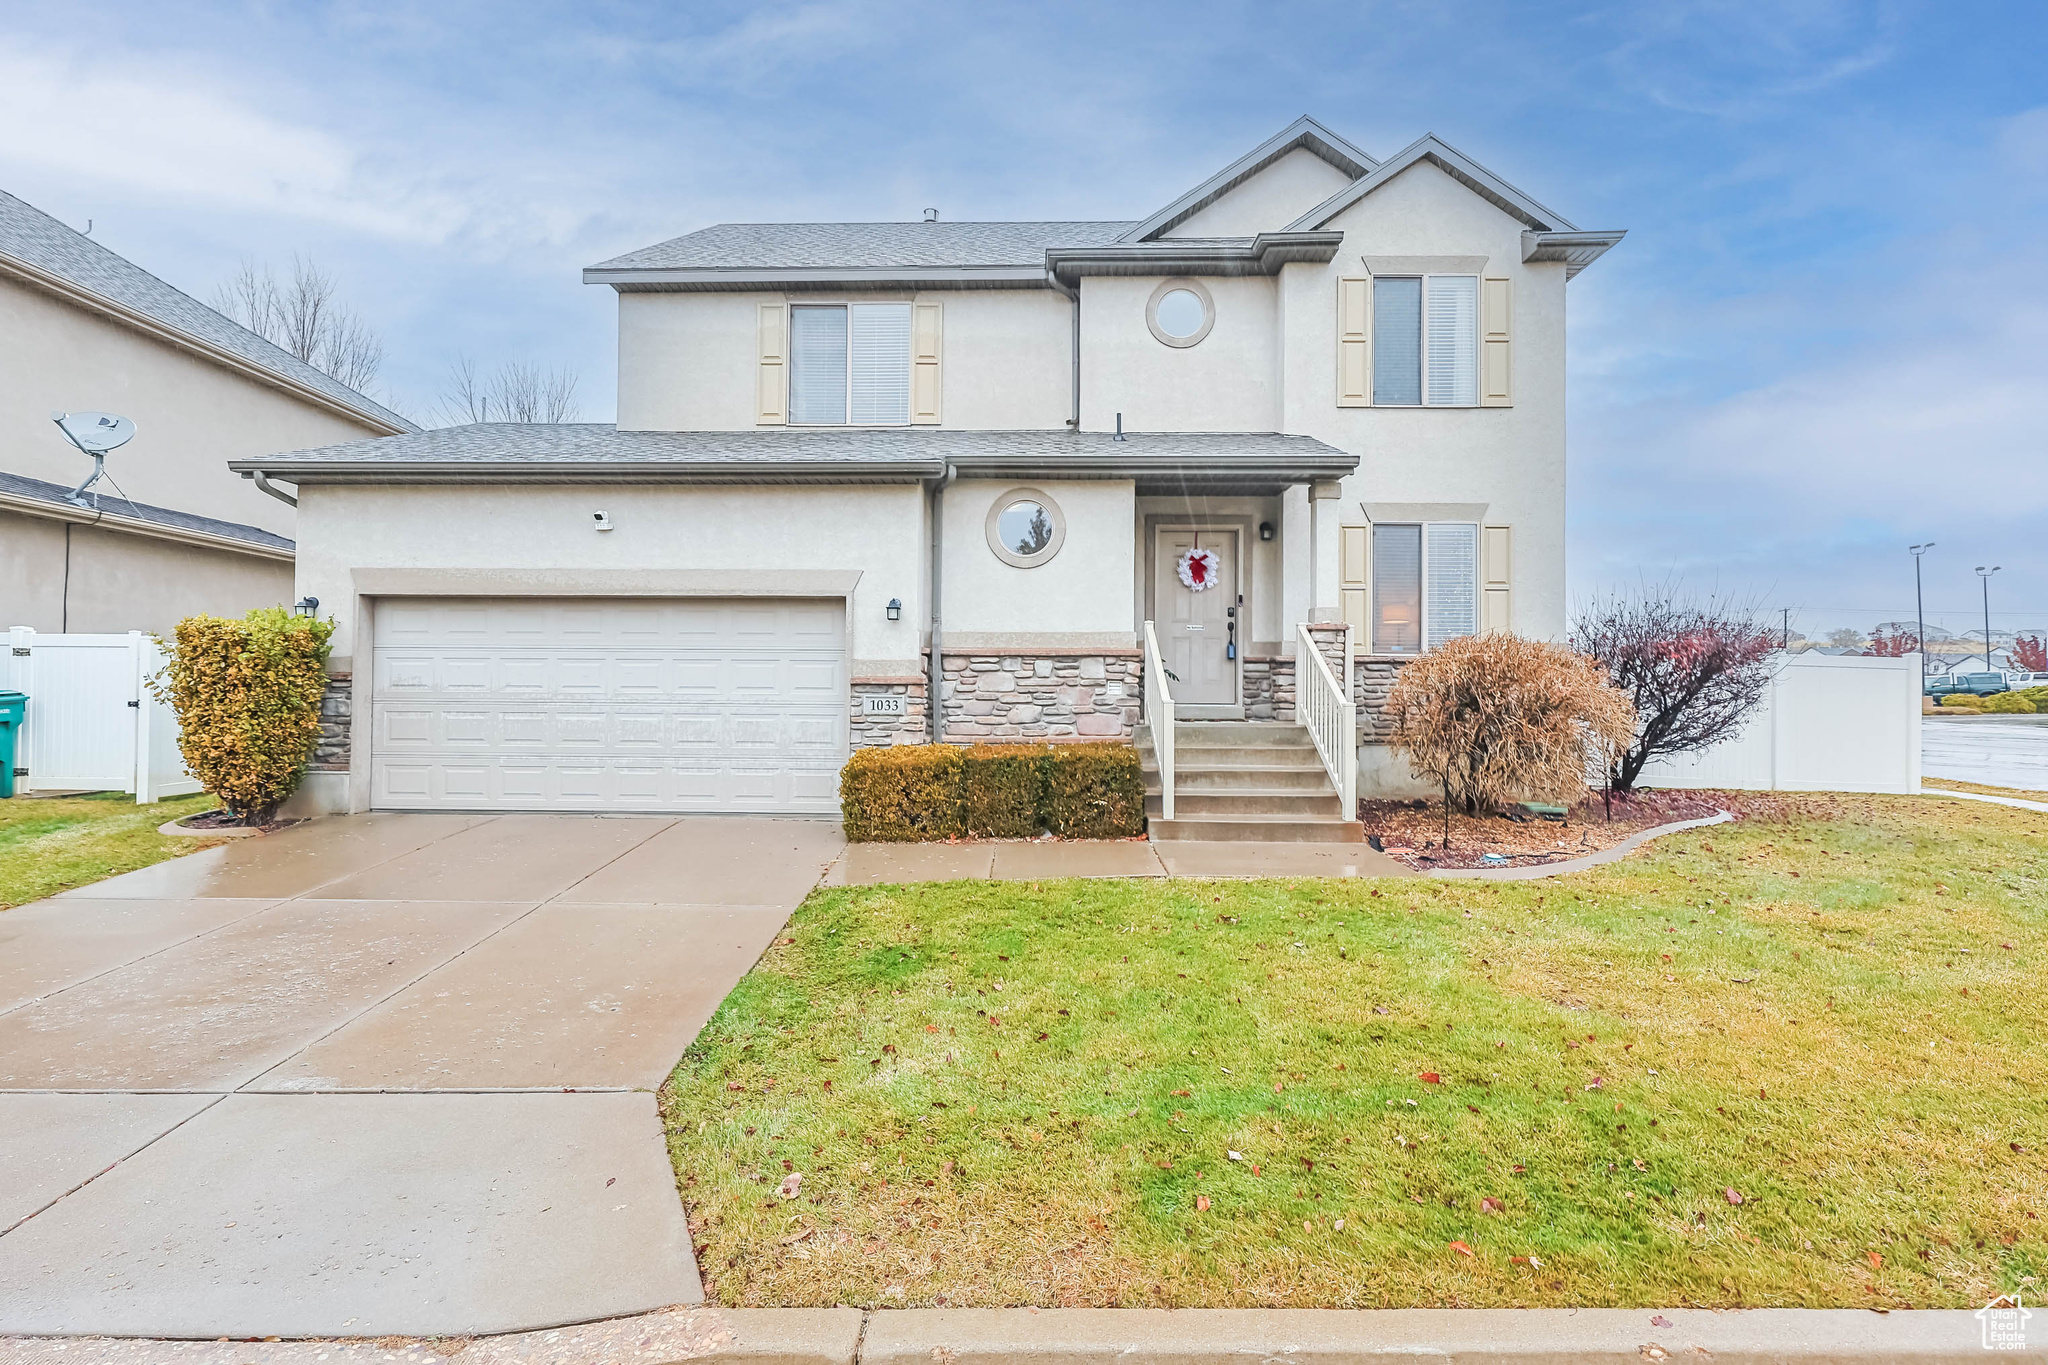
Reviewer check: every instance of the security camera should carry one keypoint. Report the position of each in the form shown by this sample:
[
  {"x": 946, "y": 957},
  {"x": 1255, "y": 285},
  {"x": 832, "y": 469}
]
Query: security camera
[{"x": 601, "y": 520}]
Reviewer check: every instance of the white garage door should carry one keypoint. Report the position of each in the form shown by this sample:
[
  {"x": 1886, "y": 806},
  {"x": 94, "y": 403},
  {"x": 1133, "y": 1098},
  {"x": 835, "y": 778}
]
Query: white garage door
[{"x": 608, "y": 704}]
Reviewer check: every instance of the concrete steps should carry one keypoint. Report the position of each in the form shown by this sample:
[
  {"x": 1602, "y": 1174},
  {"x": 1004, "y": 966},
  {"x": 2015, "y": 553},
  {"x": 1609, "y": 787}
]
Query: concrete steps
[{"x": 1245, "y": 781}]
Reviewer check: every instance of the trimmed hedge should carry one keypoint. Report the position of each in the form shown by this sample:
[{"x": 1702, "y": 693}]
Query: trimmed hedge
[
  {"x": 904, "y": 794},
  {"x": 918, "y": 792}
]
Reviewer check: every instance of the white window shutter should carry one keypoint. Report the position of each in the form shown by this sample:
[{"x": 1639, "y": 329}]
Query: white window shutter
[
  {"x": 1496, "y": 342},
  {"x": 1497, "y": 573},
  {"x": 771, "y": 385},
  {"x": 927, "y": 325},
  {"x": 1354, "y": 343}
]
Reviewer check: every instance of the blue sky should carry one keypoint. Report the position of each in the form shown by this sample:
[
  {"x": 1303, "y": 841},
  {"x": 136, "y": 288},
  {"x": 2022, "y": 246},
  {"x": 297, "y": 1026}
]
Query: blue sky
[{"x": 1823, "y": 339}]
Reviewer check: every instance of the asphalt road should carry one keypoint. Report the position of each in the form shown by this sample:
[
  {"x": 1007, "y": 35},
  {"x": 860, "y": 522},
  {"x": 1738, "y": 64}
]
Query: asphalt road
[{"x": 1999, "y": 751}]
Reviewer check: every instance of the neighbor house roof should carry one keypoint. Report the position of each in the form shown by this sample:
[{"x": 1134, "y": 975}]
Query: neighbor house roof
[
  {"x": 42, "y": 251},
  {"x": 510, "y": 452},
  {"x": 1033, "y": 254},
  {"x": 20, "y": 493}
]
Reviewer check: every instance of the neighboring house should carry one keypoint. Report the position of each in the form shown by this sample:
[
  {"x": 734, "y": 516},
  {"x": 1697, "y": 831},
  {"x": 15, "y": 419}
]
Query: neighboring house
[
  {"x": 1342, "y": 379},
  {"x": 82, "y": 329}
]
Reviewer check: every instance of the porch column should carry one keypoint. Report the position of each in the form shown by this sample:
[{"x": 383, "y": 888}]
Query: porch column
[{"x": 1326, "y": 569}]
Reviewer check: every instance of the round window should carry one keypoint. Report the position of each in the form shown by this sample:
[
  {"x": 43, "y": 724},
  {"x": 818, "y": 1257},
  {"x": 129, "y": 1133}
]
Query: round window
[
  {"x": 1180, "y": 312},
  {"x": 1025, "y": 528}
]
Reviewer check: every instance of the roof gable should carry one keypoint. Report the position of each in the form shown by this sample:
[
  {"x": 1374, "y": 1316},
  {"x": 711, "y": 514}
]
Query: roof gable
[
  {"x": 46, "y": 251},
  {"x": 1451, "y": 162},
  {"x": 1304, "y": 134}
]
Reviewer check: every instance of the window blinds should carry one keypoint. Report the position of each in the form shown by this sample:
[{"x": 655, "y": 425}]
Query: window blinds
[
  {"x": 880, "y": 334},
  {"x": 1396, "y": 589},
  {"x": 1452, "y": 552},
  {"x": 849, "y": 363},
  {"x": 1396, "y": 341},
  {"x": 1453, "y": 308},
  {"x": 817, "y": 371}
]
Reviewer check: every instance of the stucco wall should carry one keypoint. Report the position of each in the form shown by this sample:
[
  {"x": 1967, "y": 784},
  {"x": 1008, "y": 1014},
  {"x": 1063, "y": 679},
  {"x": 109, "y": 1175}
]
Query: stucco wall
[
  {"x": 119, "y": 582},
  {"x": 687, "y": 362},
  {"x": 1228, "y": 382},
  {"x": 546, "y": 533},
  {"x": 1270, "y": 200},
  {"x": 1512, "y": 459},
  {"x": 191, "y": 415},
  {"x": 1083, "y": 593}
]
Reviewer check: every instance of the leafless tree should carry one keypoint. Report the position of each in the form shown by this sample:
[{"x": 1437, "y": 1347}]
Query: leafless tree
[
  {"x": 301, "y": 315},
  {"x": 1845, "y": 638},
  {"x": 516, "y": 392},
  {"x": 1694, "y": 670}
]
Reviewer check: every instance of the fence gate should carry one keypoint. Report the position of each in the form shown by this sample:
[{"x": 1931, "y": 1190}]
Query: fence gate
[{"x": 91, "y": 723}]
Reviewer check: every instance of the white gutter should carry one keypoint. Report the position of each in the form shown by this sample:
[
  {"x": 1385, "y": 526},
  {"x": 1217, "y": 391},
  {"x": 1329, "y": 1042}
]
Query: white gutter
[
  {"x": 935, "y": 666},
  {"x": 267, "y": 486},
  {"x": 114, "y": 521}
]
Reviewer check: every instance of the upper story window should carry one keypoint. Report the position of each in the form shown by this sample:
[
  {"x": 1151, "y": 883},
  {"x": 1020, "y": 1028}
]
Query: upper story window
[
  {"x": 849, "y": 364},
  {"x": 1425, "y": 340}
]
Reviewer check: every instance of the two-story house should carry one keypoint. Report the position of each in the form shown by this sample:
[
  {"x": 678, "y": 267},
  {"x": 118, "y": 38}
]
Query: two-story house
[
  {"x": 861, "y": 466},
  {"x": 170, "y": 532}
]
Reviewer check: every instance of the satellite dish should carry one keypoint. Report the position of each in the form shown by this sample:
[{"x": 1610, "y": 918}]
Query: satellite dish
[{"x": 95, "y": 433}]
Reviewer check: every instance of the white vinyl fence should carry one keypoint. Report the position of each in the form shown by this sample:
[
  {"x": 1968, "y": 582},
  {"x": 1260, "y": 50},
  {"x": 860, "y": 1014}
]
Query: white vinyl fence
[
  {"x": 91, "y": 723},
  {"x": 1828, "y": 723}
]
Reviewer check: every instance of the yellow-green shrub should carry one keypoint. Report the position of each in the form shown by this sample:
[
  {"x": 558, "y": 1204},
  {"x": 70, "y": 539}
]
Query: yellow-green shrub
[
  {"x": 1963, "y": 701},
  {"x": 247, "y": 694},
  {"x": 2009, "y": 704},
  {"x": 1092, "y": 791},
  {"x": 1000, "y": 788},
  {"x": 902, "y": 794}
]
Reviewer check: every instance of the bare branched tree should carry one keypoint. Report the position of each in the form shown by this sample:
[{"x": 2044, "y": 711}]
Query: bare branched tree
[
  {"x": 1694, "y": 670},
  {"x": 301, "y": 315},
  {"x": 515, "y": 392}
]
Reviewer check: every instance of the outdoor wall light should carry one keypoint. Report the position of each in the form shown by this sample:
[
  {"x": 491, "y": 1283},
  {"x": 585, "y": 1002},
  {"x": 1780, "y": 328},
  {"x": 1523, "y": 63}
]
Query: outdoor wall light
[
  {"x": 306, "y": 606},
  {"x": 895, "y": 609},
  {"x": 1265, "y": 530}
]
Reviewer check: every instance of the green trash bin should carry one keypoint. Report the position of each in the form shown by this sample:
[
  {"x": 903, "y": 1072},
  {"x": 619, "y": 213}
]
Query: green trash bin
[{"x": 12, "y": 705}]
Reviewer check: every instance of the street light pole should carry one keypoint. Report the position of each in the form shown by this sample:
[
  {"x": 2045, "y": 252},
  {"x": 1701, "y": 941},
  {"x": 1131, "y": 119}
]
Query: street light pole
[
  {"x": 1920, "y": 606},
  {"x": 1984, "y": 576}
]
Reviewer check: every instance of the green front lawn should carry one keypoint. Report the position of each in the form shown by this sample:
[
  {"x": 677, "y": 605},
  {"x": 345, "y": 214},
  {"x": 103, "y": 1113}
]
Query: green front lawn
[
  {"x": 47, "y": 846},
  {"x": 1029, "y": 1093}
]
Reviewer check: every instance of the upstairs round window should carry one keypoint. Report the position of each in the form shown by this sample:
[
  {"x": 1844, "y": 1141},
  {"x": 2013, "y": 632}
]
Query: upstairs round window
[
  {"x": 1025, "y": 528},
  {"x": 1180, "y": 313}
]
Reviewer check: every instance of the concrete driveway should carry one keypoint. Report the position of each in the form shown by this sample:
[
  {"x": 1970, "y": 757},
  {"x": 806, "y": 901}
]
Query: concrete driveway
[
  {"x": 1998, "y": 751},
  {"x": 384, "y": 1074}
]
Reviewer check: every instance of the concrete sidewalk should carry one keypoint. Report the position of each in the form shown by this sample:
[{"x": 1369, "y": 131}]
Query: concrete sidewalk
[
  {"x": 1084, "y": 1336},
  {"x": 1027, "y": 860}
]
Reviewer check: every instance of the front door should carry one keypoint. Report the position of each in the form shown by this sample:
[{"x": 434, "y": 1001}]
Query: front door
[{"x": 1197, "y": 625}]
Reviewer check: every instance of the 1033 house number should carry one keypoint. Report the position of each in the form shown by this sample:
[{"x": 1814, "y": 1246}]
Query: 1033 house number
[{"x": 882, "y": 706}]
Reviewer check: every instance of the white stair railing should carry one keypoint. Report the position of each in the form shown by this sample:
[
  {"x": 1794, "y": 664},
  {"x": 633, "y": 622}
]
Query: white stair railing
[
  {"x": 1159, "y": 715},
  {"x": 1326, "y": 708}
]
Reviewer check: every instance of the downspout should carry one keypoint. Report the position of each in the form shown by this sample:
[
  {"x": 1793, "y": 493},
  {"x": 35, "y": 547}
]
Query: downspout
[
  {"x": 935, "y": 669},
  {"x": 267, "y": 486},
  {"x": 1074, "y": 294}
]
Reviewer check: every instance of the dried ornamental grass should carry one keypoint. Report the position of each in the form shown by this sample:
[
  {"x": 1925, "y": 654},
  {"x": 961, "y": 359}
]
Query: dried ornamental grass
[{"x": 1497, "y": 718}]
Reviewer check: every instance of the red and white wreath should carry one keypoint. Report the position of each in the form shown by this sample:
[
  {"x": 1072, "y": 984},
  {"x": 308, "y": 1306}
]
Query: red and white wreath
[{"x": 1199, "y": 569}]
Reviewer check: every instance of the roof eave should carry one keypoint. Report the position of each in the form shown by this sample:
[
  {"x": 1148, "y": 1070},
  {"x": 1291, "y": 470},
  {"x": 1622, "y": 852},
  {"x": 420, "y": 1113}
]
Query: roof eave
[
  {"x": 304, "y": 472},
  {"x": 711, "y": 279},
  {"x": 115, "y": 521},
  {"x": 73, "y": 292},
  {"x": 1263, "y": 255},
  {"x": 1451, "y": 162},
  {"x": 1304, "y": 132},
  {"x": 1576, "y": 249}
]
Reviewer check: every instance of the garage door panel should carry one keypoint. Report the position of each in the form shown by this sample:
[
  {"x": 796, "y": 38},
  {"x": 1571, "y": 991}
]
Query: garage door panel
[{"x": 600, "y": 705}]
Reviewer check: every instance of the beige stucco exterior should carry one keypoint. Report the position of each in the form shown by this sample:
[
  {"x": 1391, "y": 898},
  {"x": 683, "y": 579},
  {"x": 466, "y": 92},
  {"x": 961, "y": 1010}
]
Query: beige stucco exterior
[{"x": 109, "y": 581}]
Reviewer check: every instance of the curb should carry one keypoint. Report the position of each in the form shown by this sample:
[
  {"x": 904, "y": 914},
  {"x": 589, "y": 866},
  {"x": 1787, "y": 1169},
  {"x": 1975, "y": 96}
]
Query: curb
[
  {"x": 1605, "y": 855},
  {"x": 1133, "y": 1336},
  {"x": 227, "y": 832}
]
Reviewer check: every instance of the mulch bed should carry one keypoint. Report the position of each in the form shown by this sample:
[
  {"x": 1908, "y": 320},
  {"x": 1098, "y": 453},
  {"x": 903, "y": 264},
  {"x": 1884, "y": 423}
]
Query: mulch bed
[
  {"x": 1411, "y": 831},
  {"x": 221, "y": 819}
]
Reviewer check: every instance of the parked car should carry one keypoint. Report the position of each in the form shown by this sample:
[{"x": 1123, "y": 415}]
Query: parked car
[
  {"x": 1979, "y": 684},
  {"x": 2023, "y": 679}
]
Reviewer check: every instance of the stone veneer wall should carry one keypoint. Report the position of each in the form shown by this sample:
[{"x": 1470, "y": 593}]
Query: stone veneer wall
[
  {"x": 1045, "y": 695},
  {"x": 1373, "y": 678},
  {"x": 1268, "y": 687},
  {"x": 330, "y": 755},
  {"x": 879, "y": 732}
]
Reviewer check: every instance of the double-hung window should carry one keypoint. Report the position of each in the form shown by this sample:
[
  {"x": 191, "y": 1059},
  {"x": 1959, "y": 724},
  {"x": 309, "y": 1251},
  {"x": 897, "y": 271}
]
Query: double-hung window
[
  {"x": 849, "y": 364},
  {"x": 1425, "y": 340},
  {"x": 1425, "y": 585}
]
